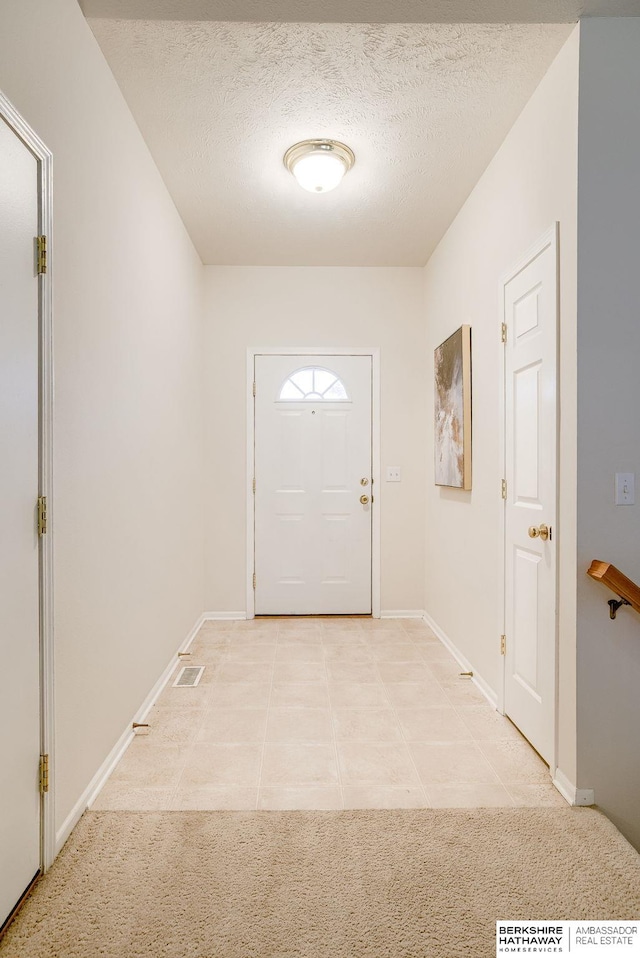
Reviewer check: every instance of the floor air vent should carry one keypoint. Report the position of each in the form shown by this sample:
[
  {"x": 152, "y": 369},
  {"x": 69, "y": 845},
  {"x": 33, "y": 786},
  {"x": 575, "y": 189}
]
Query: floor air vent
[{"x": 189, "y": 676}]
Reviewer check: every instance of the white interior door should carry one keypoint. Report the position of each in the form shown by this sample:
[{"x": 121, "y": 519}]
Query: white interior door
[
  {"x": 313, "y": 465},
  {"x": 530, "y": 303},
  {"x": 19, "y": 548}
]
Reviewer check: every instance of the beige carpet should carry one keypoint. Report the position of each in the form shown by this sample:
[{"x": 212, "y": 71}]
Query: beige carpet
[{"x": 370, "y": 884}]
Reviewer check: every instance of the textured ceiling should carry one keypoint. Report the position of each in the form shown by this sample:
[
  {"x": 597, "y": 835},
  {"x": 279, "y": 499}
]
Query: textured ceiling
[
  {"x": 424, "y": 107},
  {"x": 364, "y": 11}
]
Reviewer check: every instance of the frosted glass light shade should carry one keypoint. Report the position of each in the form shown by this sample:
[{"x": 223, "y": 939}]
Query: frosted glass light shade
[
  {"x": 319, "y": 165},
  {"x": 319, "y": 172}
]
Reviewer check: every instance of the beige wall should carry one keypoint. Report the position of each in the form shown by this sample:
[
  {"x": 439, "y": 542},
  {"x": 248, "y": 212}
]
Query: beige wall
[
  {"x": 128, "y": 413},
  {"x": 530, "y": 184},
  {"x": 297, "y": 306},
  {"x": 609, "y": 413}
]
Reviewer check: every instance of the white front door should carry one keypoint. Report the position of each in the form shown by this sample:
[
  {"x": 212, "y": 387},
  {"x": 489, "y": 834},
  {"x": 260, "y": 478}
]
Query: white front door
[
  {"x": 19, "y": 548},
  {"x": 530, "y": 306},
  {"x": 313, "y": 465}
]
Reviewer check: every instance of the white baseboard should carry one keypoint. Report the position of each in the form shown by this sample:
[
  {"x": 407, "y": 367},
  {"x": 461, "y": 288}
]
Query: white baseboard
[
  {"x": 484, "y": 687},
  {"x": 92, "y": 790},
  {"x": 211, "y": 616},
  {"x": 402, "y": 614},
  {"x": 573, "y": 794}
]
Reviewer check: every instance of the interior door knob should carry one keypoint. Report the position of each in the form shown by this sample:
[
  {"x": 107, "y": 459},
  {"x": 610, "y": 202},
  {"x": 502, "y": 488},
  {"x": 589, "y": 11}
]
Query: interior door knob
[
  {"x": 540, "y": 531},
  {"x": 364, "y": 500}
]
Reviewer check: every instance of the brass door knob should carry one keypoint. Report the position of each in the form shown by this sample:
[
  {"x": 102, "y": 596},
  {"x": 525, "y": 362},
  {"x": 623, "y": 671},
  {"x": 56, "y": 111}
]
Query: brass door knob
[
  {"x": 364, "y": 500},
  {"x": 540, "y": 531}
]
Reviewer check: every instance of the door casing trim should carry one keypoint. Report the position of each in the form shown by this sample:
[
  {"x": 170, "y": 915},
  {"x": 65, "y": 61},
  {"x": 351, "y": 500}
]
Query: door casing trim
[
  {"x": 34, "y": 144},
  {"x": 550, "y": 237},
  {"x": 374, "y": 353}
]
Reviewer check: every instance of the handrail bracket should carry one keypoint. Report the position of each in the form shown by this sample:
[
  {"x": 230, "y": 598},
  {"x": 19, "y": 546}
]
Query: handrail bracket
[
  {"x": 614, "y": 605},
  {"x": 628, "y": 592}
]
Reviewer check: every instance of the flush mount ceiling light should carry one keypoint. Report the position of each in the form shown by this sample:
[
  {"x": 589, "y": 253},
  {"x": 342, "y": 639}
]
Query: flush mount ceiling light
[{"x": 319, "y": 165}]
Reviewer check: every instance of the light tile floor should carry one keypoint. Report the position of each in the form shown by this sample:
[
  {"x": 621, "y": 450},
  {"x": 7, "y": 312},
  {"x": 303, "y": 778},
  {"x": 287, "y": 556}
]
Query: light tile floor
[{"x": 326, "y": 714}]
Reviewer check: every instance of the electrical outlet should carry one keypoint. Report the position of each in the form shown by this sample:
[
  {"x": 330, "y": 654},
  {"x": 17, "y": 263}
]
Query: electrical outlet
[{"x": 393, "y": 474}]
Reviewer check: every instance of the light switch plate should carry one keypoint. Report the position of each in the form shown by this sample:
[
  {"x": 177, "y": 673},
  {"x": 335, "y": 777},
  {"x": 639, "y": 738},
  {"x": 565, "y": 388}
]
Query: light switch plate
[
  {"x": 625, "y": 488},
  {"x": 393, "y": 474}
]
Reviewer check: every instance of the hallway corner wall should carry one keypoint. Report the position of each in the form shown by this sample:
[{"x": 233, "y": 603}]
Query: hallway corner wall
[
  {"x": 609, "y": 412},
  {"x": 315, "y": 306},
  {"x": 530, "y": 184},
  {"x": 128, "y": 429}
]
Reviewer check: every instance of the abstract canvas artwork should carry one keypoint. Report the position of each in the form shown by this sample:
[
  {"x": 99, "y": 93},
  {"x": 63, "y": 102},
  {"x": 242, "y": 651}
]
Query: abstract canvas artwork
[{"x": 453, "y": 410}]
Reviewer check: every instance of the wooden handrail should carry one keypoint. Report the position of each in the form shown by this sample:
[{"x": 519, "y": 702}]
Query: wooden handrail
[{"x": 628, "y": 591}]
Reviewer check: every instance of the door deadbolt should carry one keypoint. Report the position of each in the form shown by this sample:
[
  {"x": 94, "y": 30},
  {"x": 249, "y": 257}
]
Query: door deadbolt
[
  {"x": 364, "y": 500},
  {"x": 364, "y": 481}
]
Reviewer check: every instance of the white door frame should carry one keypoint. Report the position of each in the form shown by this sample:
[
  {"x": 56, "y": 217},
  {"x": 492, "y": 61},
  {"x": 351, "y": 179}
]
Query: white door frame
[
  {"x": 374, "y": 353},
  {"x": 45, "y": 210},
  {"x": 550, "y": 237}
]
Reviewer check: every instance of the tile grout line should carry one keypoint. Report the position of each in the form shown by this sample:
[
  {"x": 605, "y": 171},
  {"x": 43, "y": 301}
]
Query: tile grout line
[
  {"x": 424, "y": 787},
  {"x": 266, "y": 724},
  {"x": 201, "y": 634},
  {"x": 333, "y": 726},
  {"x": 478, "y": 744},
  {"x": 408, "y": 746},
  {"x": 228, "y": 646},
  {"x": 184, "y": 761},
  {"x": 457, "y": 707},
  {"x": 183, "y": 747},
  {"x": 452, "y": 704}
]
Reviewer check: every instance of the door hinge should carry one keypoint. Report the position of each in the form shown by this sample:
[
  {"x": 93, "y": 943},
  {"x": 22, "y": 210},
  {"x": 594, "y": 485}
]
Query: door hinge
[
  {"x": 254, "y": 580},
  {"x": 41, "y": 254},
  {"x": 44, "y": 773},
  {"x": 254, "y": 389},
  {"x": 42, "y": 515},
  {"x": 254, "y": 486},
  {"x": 504, "y": 488},
  {"x": 503, "y": 333},
  {"x": 503, "y": 645}
]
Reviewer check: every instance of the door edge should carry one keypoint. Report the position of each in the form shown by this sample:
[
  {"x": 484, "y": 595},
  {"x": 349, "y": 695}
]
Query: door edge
[
  {"x": 11, "y": 116},
  {"x": 550, "y": 237}
]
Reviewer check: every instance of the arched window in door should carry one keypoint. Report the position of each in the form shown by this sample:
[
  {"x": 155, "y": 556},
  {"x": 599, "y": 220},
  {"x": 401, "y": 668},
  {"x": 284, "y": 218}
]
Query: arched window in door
[{"x": 313, "y": 384}]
